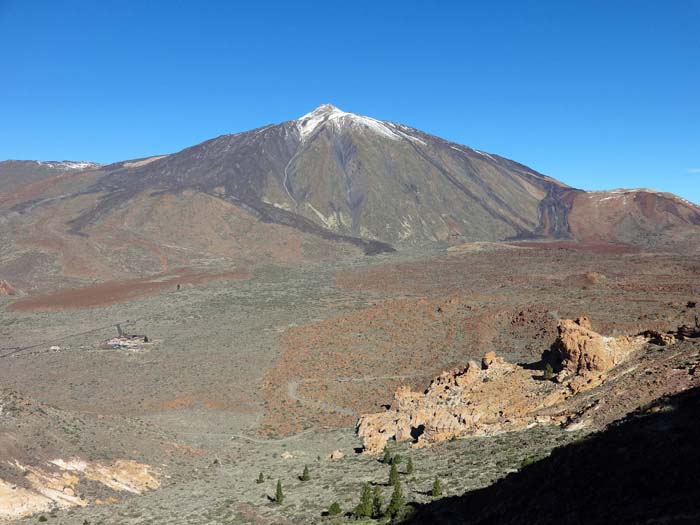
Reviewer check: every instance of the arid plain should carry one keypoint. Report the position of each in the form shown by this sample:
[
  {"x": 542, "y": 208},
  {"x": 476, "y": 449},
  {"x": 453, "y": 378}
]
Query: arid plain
[{"x": 285, "y": 358}]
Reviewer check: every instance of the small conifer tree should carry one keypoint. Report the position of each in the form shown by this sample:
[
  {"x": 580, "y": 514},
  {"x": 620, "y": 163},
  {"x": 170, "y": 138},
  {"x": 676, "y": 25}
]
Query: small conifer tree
[
  {"x": 409, "y": 466},
  {"x": 261, "y": 478},
  {"x": 279, "y": 495},
  {"x": 396, "y": 460},
  {"x": 364, "y": 508},
  {"x": 397, "y": 501},
  {"x": 305, "y": 475},
  {"x": 436, "y": 491},
  {"x": 393, "y": 475},
  {"x": 377, "y": 502},
  {"x": 334, "y": 509}
]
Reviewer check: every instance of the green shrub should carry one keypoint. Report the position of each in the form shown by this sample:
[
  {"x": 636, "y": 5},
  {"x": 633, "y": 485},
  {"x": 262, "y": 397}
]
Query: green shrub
[
  {"x": 334, "y": 509},
  {"x": 548, "y": 371},
  {"x": 396, "y": 460},
  {"x": 409, "y": 466},
  {"x": 305, "y": 475},
  {"x": 528, "y": 461},
  {"x": 436, "y": 491},
  {"x": 261, "y": 479}
]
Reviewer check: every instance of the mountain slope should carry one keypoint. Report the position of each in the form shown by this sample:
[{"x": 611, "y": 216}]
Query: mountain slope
[
  {"x": 17, "y": 173},
  {"x": 327, "y": 179},
  {"x": 351, "y": 175},
  {"x": 363, "y": 178}
]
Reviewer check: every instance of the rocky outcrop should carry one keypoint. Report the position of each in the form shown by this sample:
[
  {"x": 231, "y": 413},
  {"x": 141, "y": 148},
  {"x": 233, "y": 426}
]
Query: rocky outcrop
[
  {"x": 496, "y": 396},
  {"x": 688, "y": 331},
  {"x": 583, "y": 356},
  {"x": 660, "y": 338},
  {"x": 639, "y": 470},
  {"x": 56, "y": 484},
  {"x": 475, "y": 400},
  {"x": 46, "y": 462},
  {"x": 490, "y": 360}
]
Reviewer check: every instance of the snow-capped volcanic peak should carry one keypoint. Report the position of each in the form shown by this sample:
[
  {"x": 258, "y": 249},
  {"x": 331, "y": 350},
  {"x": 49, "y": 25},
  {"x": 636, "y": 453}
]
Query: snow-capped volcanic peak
[{"x": 329, "y": 114}]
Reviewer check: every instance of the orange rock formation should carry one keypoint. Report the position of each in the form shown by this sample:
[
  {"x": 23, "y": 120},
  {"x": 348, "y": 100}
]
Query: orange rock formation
[{"x": 498, "y": 396}]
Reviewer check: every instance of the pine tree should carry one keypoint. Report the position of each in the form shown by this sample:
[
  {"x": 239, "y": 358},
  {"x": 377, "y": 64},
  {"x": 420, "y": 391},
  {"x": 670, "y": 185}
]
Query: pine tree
[
  {"x": 334, "y": 509},
  {"x": 396, "y": 460},
  {"x": 364, "y": 508},
  {"x": 387, "y": 456},
  {"x": 305, "y": 475},
  {"x": 409, "y": 466},
  {"x": 397, "y": 501},
  {"x": 377, "y": 502},
  {"x": 279, "y": 495},
  {"x": 436, "y": 491},
  {"x": 393, "y": 475},
  {"x": 261, "y": 479}
]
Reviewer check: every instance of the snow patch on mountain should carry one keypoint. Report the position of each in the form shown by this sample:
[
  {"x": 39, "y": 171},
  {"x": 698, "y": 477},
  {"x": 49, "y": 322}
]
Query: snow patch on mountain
[
  {"x": 482, "y": 153},
  {"x": 605, "y": 195},
  {"x": 327, "y": 114},
  {"x": 68, "y": 164}
]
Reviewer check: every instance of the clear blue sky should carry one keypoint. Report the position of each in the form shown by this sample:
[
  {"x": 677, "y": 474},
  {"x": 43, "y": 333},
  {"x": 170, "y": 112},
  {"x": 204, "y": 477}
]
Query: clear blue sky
[{"x": 599, "y": 94}]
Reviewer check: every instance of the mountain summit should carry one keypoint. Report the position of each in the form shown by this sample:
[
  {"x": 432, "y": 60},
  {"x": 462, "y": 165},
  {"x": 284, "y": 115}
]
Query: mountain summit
[
  {"x": 325, "y": 178},
  {"x": 328, "y": 114}
]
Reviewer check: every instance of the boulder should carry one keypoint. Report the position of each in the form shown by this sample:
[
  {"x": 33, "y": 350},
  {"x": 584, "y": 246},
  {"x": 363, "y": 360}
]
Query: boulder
[
  {"x": 688, "y": 331},
  {"x": 335, "y": 455},
  {"x": 580, "y": 350}
]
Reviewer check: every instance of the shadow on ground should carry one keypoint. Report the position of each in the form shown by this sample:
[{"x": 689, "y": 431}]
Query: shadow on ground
[{"x": 642, "y": 469}]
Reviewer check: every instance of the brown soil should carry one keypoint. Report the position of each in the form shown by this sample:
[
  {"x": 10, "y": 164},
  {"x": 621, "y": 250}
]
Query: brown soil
[
  {"x": 592, "y": 247},
  {"x": 152, "y": 235},
  {"x": 43, "y": 188},
  {"x": 449, "y": 309},
  {"x": 105, "y": 294}
]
